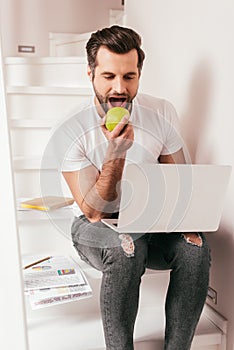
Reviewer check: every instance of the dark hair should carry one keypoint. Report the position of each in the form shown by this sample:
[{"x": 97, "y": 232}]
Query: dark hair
[{"x": 117, "y": 39}]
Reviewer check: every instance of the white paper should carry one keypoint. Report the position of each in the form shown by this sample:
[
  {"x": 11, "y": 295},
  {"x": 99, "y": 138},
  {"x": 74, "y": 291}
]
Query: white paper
[
  {"x": 54, "y": 296},
  {"x": 59, "y": 271},
  {"x": 54, "y": 281}
]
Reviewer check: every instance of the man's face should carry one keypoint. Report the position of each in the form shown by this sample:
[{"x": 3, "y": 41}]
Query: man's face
[{"x": 116, "y": 78}]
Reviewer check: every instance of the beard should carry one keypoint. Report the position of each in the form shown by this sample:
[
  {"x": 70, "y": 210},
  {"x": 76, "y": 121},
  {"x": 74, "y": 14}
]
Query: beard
[{"x": 106, "y": 101}]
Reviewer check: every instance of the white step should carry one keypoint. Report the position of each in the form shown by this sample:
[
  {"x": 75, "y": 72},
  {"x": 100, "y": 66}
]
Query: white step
[
  {"x": 150, "y": 297},
  {"x": 39, "y": 102},
  {"x": 29, "y": 142},
  {"x": 39, "y": 216},
  {"x": 28, "y": 178},
  {"x": 84, "y": 332},
  {"x": 46, "y": 71},
  {"x": 30, "y": 162},
  {"x": 27, "y": 183},
  {"x": 68, "y": 44},
  {"x": 29, "y": 123}
]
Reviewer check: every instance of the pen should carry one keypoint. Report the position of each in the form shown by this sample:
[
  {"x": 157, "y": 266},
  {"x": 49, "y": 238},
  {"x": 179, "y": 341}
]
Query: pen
[{"x": 37, "y": 262}]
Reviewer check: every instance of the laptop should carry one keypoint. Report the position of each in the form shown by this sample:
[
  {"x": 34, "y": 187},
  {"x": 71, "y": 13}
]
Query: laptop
[{"x": 171, "y": 198}]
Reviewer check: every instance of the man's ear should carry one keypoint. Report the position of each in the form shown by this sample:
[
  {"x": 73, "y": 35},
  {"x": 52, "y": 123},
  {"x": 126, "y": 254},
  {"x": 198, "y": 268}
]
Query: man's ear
[{"x": 90, "y": 74}]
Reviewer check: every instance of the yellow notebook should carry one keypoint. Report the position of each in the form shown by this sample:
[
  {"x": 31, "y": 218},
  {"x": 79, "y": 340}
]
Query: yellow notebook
[{"x": 47, "y": 203}]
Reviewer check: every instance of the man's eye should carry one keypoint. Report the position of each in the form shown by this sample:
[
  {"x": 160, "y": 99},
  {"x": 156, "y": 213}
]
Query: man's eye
[
  {"x": 129, "y": 77},
  {"x": 109, "y": 77}
]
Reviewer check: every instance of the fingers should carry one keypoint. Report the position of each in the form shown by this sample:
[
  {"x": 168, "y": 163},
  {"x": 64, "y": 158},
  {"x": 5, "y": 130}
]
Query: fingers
[
  {"x": 120, "y": 126},
  {"x": 119, "y": 133},
  {"x": 118, "y": 130}
]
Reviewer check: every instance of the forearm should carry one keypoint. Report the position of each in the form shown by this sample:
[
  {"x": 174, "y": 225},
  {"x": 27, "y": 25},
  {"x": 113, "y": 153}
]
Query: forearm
[{"x": 101, "y": 200}]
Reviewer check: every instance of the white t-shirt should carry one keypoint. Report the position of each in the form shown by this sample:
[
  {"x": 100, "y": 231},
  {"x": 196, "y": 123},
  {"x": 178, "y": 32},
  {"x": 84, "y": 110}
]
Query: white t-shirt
[{"x": 156, "y": 132}]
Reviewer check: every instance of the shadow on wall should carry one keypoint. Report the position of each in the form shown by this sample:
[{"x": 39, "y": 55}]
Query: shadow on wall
[
  {"x": 196, "y": 116},
  {"x": 222, "y": 278}
]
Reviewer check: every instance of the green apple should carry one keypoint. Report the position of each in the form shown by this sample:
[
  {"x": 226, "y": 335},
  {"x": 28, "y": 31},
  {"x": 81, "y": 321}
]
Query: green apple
[{"x": 114, "y": 116}]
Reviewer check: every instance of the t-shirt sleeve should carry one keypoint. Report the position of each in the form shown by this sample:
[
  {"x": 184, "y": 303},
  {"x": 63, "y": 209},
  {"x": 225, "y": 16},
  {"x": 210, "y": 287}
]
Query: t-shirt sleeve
[
  {"x": 67, "y": 148},
  {"x": 173, "y": 141},
  {"x": 75, "y": 158}
]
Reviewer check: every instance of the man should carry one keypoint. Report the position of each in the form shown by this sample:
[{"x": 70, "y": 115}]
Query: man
[{"x": 93, "y": 169}]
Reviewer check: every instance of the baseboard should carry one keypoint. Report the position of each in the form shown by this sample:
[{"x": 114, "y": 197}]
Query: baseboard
[
  {"x": 219, "y": 321},
  {"x": 215, "y": 317}
]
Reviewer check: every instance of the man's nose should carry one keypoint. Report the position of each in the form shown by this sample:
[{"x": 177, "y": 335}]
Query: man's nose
[{"x": 119, "y": 86}]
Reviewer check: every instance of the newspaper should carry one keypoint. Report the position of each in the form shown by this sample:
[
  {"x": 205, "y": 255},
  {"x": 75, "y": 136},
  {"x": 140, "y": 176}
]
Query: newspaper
[{"x": 56, "y": 280}]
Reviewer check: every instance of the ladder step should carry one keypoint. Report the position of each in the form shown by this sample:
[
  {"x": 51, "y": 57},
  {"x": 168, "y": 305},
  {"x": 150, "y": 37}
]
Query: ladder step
[
  {"x": 44, "y": 102},
  {"x": 73, "y": 331},
  {"x": 49, "y": 71}
]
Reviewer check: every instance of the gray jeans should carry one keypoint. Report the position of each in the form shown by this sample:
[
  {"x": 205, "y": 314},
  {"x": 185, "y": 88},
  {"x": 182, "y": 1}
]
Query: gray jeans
[{"x": 123, "y": 260}]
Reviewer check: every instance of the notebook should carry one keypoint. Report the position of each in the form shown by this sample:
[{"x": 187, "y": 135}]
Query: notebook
[
  {"x": 47, "y": 203},
  {"x": 171, "y": 198}
]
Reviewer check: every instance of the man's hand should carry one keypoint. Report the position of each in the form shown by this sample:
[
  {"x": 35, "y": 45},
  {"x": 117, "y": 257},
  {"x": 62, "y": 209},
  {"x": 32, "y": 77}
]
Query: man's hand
[{"x": 120, "y": 138}]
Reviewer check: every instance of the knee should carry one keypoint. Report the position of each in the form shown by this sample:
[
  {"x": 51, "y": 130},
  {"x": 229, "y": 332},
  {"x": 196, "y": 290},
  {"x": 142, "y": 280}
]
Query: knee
[
  {"x": 130, "y": 255},
  {"x": 194, "y": 253},
  {"x": 193, "y": 238}
]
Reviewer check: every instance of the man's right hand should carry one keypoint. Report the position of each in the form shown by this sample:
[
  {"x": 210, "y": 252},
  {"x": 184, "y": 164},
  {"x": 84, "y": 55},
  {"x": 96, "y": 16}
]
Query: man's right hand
[{"x": 120, "y": 138}]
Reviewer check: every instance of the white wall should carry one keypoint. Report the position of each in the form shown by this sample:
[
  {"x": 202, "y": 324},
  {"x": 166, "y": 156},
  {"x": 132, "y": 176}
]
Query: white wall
[
  {"x": 190, "y": 54},
  {"x": 28, "y": 22}
]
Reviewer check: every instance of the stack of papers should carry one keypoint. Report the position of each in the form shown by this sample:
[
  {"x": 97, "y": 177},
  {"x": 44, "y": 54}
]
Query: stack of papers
[{"x": 54, "y": 280}]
